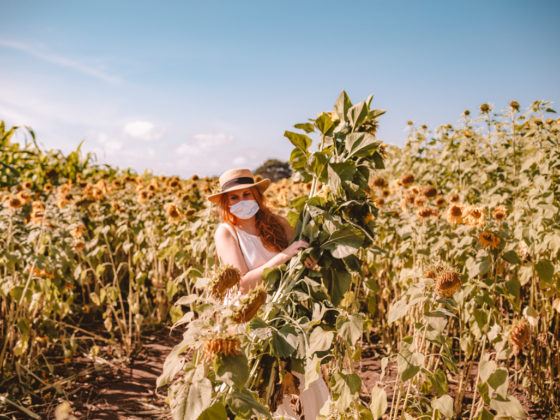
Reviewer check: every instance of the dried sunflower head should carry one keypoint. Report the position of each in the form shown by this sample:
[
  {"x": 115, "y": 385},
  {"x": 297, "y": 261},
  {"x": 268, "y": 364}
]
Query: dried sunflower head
[
  {"x": 514, "y": 105},
  {"x": 448, "y": 281},
  {"x": 222, "y": 344},
  {"x": 455, "y": 214},
  {"x": 488, "y": 239},
  {"x": 520, "y": 334},
  {"x": 249, "y": 304},
  {"x": 227, "y": 277}
]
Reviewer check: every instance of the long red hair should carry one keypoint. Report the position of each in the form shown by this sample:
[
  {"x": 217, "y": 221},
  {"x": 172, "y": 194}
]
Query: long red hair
[{"x": 270, "y": 230}]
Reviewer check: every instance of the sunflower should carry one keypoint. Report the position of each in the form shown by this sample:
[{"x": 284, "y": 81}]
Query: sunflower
[
  {"x": 499, "y": 213},
  {"x": 227, "y": 277},
  {"x": 448, "y": 281},
  {"x": 143, "y": 196},
  {"x": 78, "y": 231},
  {"x": 440, "y": 201},
  {"x": 406, "y": 180},
  {"x": 37, "y": 212},
  {"x": 419, "y": 201},
  {"x": 520, "y": 334},
  {"x": 173, "y": 213},
  {"x": 488, "y": 240},
  {"x": 485, "y": 108},
  {"x": 223, "y": 345},
  {"x": 379, "y": 182},
  {"x": 249, "y": 305},
  {"x": 474, "y": 216},
  {"x": 455, "y": 214},
  {"x": 14, "y": 202},
  {"x": 429, "y": 191},
  {"x": 425, "y": 212},
  {"x": 514, "y": 105}
]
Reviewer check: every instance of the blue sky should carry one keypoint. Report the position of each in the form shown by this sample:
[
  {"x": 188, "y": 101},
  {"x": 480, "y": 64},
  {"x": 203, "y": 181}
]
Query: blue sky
[{"x": 182, "y": 87}]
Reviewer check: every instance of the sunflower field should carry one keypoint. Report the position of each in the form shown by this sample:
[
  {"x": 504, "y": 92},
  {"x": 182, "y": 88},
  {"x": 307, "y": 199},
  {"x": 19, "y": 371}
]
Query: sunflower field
[{"x": 439, "y": 261}]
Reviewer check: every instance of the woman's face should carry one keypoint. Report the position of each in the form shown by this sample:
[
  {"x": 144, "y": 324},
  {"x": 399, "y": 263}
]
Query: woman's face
[{"x": 238, "y": 195}]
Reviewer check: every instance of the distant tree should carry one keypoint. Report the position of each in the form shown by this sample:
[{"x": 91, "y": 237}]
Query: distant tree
[{"x": 274, "y": 169}]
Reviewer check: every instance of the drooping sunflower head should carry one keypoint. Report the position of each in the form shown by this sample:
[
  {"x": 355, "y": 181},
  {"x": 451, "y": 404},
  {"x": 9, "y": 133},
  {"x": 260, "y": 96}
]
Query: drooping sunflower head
[
  {"x": 448, "y": 281},
  {"x": 249, "y": 304},
  {"x": 227, "y": 277},
  {"x": 520, "y": 334},
  {"x": 222, "y": 344}
]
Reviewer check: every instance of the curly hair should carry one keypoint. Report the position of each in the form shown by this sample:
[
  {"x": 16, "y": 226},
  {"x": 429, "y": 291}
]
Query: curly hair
[{"x": 270, "y": 229}]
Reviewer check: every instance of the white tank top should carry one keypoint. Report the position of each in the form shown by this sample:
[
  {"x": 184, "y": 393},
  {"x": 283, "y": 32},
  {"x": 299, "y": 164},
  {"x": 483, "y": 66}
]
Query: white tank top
[{"x": 251, "y": 246}]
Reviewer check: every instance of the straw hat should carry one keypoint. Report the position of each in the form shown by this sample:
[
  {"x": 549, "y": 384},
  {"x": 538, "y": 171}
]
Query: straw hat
[{"x": 237, "y": 179}]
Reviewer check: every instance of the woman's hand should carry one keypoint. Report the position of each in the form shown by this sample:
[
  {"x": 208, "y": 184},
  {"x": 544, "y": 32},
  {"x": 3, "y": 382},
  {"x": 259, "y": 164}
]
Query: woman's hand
[{"x": 295, "y": 247}]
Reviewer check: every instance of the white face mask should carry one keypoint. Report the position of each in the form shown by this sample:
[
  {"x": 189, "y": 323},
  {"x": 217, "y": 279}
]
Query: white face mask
[{"x": 245, "y": 209}]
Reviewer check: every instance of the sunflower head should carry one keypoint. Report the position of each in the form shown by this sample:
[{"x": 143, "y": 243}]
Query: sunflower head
[
  {"x": 227, "y": 277},
  {"x": 514, "y": 105},
  {"x": 520, "y": 334},
  {"x": 488, "y": 239},
  {"x": 474, "y": 216},
  {"x": 250, "y": 304},
  {"x": 406, "y": 180},
  {"x": 14, "y": 202},
  {"x": 455, "y": 214},
  {"x": 173, "y": 212},
  {"x": 448, "y": 281},
  {"x": 429, "y": 191},
  {"x": 379, "y": 182},
  {"x": 499, "y": 213},
  {"x": 485, "y": 108},
  {"x": 222, "y": 345}
]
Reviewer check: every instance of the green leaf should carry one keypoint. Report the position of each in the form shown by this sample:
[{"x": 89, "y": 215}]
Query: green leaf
[
  {"x": 307, "y": 127},
  {"x": 344, "y": 242},
  {"x": 352, "y": 329},
  {"x": 320, "y": 340},
  {"x": 511, "y": 257},
  {"x": 193, "y": 397},
  {"x": 337, "y": 283},
  {"x": 357, "y": 114},
  {"x": 324, "y": 123},
  {"x": 216, "y": 412},
  {"x": 378, "y": 404},
  {"x": 301, "y": 141},
  {"x": 444, "y": 405},
  {"x": 342, "y": 105},
  {"x": 510, "y": 407},
  {"x": 245, "y": 404},
  {"x": 545, "y": 270},
  {"x": 360, "y": 144},
  {"x": 232, "y": 369},
  {"x": 398, "y": 310},
  {"x": 279, "y": 346}
]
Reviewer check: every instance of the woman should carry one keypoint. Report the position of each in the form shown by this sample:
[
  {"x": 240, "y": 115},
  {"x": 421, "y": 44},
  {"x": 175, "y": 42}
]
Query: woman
[{"x": 251, "y": 237}]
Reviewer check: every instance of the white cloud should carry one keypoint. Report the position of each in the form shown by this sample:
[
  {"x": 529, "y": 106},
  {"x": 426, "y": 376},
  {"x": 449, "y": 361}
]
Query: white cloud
[
  {"x": 240, "y": 160},
  {"x": 204, "y": 143},
  {"x": 142, "y": 130},
  {"x": 60, "y": 60}
]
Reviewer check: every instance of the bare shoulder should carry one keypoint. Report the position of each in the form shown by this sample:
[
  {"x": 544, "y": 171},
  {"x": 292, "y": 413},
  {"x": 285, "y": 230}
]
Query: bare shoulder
[{"x": 222, "y": 232}]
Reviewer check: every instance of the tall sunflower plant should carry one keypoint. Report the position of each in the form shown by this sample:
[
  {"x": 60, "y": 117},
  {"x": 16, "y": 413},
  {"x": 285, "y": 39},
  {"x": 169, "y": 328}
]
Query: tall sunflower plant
[{"x": 241, "y": 357}]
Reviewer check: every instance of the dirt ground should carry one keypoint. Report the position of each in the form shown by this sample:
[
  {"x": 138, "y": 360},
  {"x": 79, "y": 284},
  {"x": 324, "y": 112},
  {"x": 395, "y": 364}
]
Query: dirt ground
[{"x": 128, "y": 391}]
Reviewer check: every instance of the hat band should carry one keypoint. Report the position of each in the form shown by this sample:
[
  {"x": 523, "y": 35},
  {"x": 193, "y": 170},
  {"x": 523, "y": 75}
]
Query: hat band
[{"x": 238, "y": 181}]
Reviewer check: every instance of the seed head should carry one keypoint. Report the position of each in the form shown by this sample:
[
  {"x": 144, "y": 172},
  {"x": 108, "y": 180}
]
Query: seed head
[
  {"x": 485, "y": 108},
  {"x": 249, "y": 305},
  {"x": 520, "y": 334},
  {"x": 227, "y": 277},
  {"x": 514, "y": 105},
  {"x": 488, "y": 240},
  {"x": 223, "y": 344},
  {"x": 455, "y": 214},
  {"x": 448, "y": 282},
  {"x": 499, "y": 213}
]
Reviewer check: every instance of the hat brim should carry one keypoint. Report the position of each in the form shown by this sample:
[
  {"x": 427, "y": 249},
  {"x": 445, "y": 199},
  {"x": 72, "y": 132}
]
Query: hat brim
[{"x": 262, "y": 185}]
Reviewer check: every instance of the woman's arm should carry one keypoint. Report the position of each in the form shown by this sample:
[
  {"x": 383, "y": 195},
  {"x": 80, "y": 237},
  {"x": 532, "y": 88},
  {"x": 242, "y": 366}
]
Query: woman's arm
[{"x": 229, "y": 253}]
